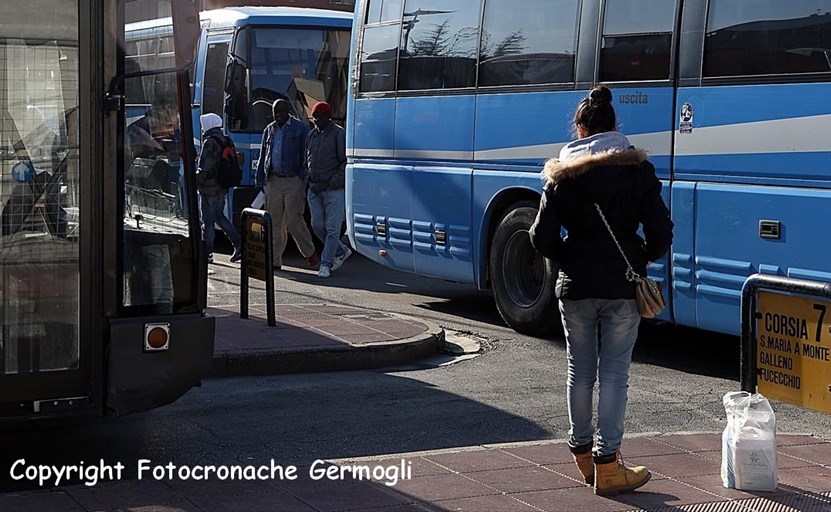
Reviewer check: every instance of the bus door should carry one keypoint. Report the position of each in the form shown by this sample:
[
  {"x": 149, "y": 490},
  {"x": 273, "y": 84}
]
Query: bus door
[
  {"x": 378, "y": 196},
  {"x": 636, "y": 59},
  {"x": 209, "y": 73},
  {"x": 44, "y": 345},
  {"x": 160, "y": 341},
  {"x": 434, "y": 129},
  {"x": 752, "y": 151},
  {"x": 245, "y": 117}
]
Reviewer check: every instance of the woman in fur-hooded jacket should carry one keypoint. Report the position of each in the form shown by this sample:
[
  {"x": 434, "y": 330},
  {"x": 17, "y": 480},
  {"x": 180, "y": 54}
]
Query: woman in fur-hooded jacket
[
  {"x": 597, "y": 302},
  {"x": 601, "y": 169}
]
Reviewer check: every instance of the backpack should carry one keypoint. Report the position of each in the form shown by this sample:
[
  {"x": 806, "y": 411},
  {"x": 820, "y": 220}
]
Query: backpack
[{"x": 229, "y": 173}]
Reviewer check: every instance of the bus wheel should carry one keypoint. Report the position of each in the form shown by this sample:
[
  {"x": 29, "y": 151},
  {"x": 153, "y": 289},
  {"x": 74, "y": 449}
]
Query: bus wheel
[{"x": 522, "y": 280}]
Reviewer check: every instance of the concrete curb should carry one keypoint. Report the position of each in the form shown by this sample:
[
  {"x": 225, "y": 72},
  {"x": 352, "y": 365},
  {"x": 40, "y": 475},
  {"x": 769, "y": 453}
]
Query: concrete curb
[{"x": 326, "y": 358}]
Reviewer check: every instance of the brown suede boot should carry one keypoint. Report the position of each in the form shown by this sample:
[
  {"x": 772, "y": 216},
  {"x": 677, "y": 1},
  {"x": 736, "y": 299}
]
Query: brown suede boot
[
  {"x": 612, "y": 477},
  {"x": 583, "y": 458}
]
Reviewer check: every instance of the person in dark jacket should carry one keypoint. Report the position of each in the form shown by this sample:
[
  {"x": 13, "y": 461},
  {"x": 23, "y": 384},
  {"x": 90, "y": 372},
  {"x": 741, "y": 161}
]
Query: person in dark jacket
[
  {"x": 595, "y": 296},
  {"x": 281, "y": 171},
  {"x": 211, "y": 193},
  {"x": 326, "y": 161}
]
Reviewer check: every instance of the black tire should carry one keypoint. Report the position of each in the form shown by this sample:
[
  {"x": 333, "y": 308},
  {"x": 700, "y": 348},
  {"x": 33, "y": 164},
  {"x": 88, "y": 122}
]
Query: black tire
[{"x": 522, "y": 279}]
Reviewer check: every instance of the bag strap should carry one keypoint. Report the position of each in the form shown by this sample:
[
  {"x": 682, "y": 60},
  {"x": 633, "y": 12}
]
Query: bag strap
[
  {"x": 631, "y": 275},
  {"x": 222, "y": 141}
]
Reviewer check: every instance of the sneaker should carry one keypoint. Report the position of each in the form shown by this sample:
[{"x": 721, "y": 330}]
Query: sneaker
[
  {"x": 210, "y": 258},
  {"x": 313, "y": 260},
  {"x": 237, "y": 256},
  {"x": 324, "y": 272},
  {"x": 340, "y": 259}
]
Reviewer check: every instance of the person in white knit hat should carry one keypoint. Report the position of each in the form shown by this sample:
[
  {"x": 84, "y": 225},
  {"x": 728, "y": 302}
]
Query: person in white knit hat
[{"x": 212, "y": 194}]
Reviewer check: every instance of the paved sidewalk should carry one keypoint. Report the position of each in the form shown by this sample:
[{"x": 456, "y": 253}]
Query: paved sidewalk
[
  {"x": 309, "y": 336},
  {"x": 499, "y": 478},
  {"x": 317, "y": 338},
  {"x": 537, "y": 476}
]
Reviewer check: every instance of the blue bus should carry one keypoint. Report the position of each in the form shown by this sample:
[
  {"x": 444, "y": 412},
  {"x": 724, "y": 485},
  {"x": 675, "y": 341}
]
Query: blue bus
[
  {"x": 455, "y": 105},
  {"x": 250, "y": 56}
]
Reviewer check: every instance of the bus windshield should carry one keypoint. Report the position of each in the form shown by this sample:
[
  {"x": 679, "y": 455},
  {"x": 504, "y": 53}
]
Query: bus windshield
[{"x": 302, "y": 65}]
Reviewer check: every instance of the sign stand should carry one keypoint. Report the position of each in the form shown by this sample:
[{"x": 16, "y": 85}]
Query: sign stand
[
  {"x": 256, "y": 259},
  {"x": 786, "y": 340}
]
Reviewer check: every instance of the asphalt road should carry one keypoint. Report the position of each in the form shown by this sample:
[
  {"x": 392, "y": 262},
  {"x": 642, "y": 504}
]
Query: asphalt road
[{"x": 513, "y": 391}]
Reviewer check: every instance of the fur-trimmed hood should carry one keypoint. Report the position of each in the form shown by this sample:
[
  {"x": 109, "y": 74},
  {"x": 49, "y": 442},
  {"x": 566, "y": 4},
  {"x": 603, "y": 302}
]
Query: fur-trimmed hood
[{"x": 557, "y": 170}]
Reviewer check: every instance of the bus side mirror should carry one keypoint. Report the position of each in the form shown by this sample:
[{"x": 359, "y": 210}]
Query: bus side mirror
[
  {"x": 236, "y": 103},
  {"x": 234, "y": 78},
  {"x": 188, "y": 29}
]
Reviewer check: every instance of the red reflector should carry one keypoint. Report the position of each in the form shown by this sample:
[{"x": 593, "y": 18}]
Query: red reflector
[
  {"x": 157, "y": 337},
  {"x": 382, "y": 253}
]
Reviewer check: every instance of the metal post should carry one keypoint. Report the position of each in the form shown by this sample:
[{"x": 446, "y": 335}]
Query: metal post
[
  {"x": 269, "y": 275},
  {"x": 748, "y": 348},
  {"x": 243, "y": 275}
]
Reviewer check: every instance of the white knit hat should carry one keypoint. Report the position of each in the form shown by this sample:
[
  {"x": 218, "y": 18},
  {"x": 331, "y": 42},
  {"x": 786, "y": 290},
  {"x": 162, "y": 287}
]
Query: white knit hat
[{"x": 209, "y": 121}]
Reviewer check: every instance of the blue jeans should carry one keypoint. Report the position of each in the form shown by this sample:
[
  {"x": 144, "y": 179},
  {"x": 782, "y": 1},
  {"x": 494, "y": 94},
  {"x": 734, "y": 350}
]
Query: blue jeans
[
  {"x": 328, "y": 211},
  {"x": 617, "y": 322},
  {"x": 213, "y": 212}
]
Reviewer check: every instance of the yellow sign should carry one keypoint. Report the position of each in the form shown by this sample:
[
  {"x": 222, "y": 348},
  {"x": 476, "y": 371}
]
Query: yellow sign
[
  {"x": 255, "y": 249},
  {"x": 793, "y": 352}
]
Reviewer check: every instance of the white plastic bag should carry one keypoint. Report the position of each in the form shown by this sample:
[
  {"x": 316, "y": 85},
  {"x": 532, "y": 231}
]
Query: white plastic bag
[
  {"x": 748, "y": 444},
  {"x": 259, "y": 201}
]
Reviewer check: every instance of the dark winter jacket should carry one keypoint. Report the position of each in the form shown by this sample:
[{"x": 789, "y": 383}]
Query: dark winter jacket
[
  {"x": 208, "y": 167},
  {"x": 624, "y": 184},
  {"x": 326, "y": 158}
]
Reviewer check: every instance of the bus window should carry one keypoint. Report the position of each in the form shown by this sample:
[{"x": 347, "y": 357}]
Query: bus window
[
  {"x": 39, "y": 192},
  {"x": 145, "y": 49},
  {"x": 158, "y": 263},
  {"x": 214, "y": 84},
  {"x": 301, "y": 65},
  {"x": 534, "y": 44},
  {"x": 378, "y": 54},
  {"x": 748, "y": 37},
  {"x": 384, "y": 10},
  {"x": 438, "y": 44},
  {"x": 637, "y": 40}
]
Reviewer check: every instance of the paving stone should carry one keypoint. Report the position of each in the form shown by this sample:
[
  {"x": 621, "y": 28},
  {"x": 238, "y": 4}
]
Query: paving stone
[
  {"x": 524, "y": 479},
  {"x": 443, "y": 487},
  {"x": 666, "y": 493},
  {"x": 543, "y": 454},
  {"x": 646, "y": 446},
  {"x": 479, "y": 460},
  {"x": 336, "y": 496},
  {"x": 691, "y": 442},
  {"x": 815, "y": 453},
  {"x": 573, "y": 499},
  {"x": 677, "y": 465},
  {"x": 486, "y": 503},
  {"x": 808, "y": 479}
]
